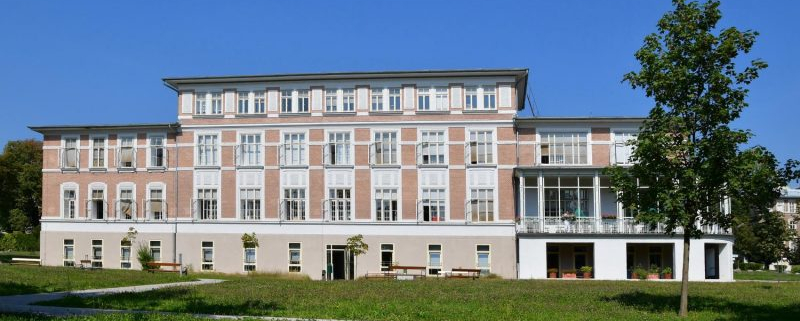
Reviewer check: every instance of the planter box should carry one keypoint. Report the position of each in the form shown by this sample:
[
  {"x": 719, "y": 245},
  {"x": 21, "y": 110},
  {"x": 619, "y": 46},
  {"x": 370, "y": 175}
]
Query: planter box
[
  {"x": 653, "y": 276},
  {"x": 668, "y": 276},
  {"x": 587, "y": 275},
  {"x": 569, "y": 276},
  {"x": 552, "y": 275}
]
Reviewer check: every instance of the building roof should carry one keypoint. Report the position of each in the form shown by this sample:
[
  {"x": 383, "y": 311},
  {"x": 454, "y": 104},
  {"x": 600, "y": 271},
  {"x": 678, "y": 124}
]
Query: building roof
[
  {"x": 520, "y": 74},
  {"x": 172, "y": 127},
  {"x": 788, "y": 192},
  {"x": 574, "y": 119}
]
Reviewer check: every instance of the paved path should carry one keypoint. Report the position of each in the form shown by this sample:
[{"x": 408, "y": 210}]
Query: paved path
[{"x": 24, "y": 303}]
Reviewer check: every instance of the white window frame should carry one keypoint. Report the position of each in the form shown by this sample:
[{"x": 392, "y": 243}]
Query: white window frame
[
  {"x": 376, "y": 99},
  {"x": 70, "y": 262},
  {"x": 303, "y": 100},
  {"x": 215, "y": 149},
  {"x": 286, "y": 97},
  {"x": 424, "y": 99},
  {"x": 348, "y": 100},
  {"x": 146, "y": 208},
  {"x": 471, "y": 98},
  {"x": 204, "y": 265},
  {"x": 385, "y": 268},
  {"x": 92, "y": 152},
  {"x": 543, "y": 134},
  {"x": 347, "y": 145},
  {"x": 243, "y": 103},
  {"x": 492, "y": 146},
  {"x": 395, "y": 100},
  {"x": 214, "y": 211},
  {"x": 258, "y": 192},
  {"x": 259, "y": 101},
  {"x": 423, "y": 143},
  {"x": 396, "y": 151},
  {"x": 299, "y": 264},
  {"x": 118, "y": 205},
  {"x": 332, "y": 100},
  {"x": 123, "y": 263},
  {"x": 619, "y": 140},
  {"x": 135, "y": 150},
  {"x": 244, "y": 150},
  {"x": 97, "y": 263},
  {"x": 215, "y": 102},
  {"x": 245, "y": 263},
  {"x": 485, "y": 91},
  {"x": 440, "y": 98},
  {"x": 478, "y": 253},
  {"x": 150, "y": 148},
  {"x": 302, "y": 147},
  {"x": 152, "y": 250},
  {"x": 62, "y": 159},
  {"x": 89, "y": 197},
  {"x": 428, "y": 266},
  {"x": 70, "y": 186}
]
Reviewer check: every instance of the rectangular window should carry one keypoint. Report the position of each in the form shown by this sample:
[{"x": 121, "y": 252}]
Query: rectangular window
[
  {"x": 394, "y": 99},
  {"x": 387, "y": 257},
  {"x": 157, "y": 152},
  {"x": 564, "y": 148},
  {"x": 125, "y": 254},
  {"x": 155, "y": 250},
  {"x": 69, "y": 157},
  {"x": 207, "y": 252},
  {"x": 489, "y": 97},
  {"x": 338, "y": 149},
  {"x": 377, "y": 99},
  {"x": 568, "y": 197},
  {"x": 441, "y": 101},
  {"x": 384, "y": 148},
  {"x": 155, "y": 204},
  {"x": 482, "y": 204},
  {"x": 69, "y": 252},
  {"x": 483, "y": 258},
  {"x": 127, "y": 153},
  {"x": 200, "y": 104},
  {"x": 386, "y": 204},
  {"x": 424, "y": 99},
  {"x": 339, "y": 207},
  {"x": 98, "y": 152},
  {"x": 331, "y": 100},
  {"x": 434, "y": 259},
  {"x": 208, "y": 150},
  {"x": 791, "y": 207},
  {"x": 286, "y": 101},
  {"x": 249, "y": 259},
  {"x": 243, "y": 99},
  {"x": 216, "y": 103},
  {"x": 481, "y": 147},
  {"x": 249, "y": 150},
  {"x": 206, "y": 204},
  {"x": 97, "y": 253},
  {"x": 432, "y": 148},
  {"x": 69, "y": 203},
  {"x": 259, "y": 102},
  {"x": 622, "y": 150},
  {"x": 471, "y": 98},
  {"x": 250, "y": 203},
  {"x": 294, "y": 149},
  {"x": 126, "y": 205},
  {"x": 295, "y": 257},
  {"x": 294, "y": 204},
  {"x": 97, "y": 204},
  {"x": 348, "y": 100},
  {"x": 433, "y": 205},
  {"x": 302, "y": 101}
]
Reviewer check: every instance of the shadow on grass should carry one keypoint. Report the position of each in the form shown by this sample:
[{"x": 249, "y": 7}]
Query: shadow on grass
[
  {"x": 661, "y": 303},
  {"x": 13, "y": 288}
]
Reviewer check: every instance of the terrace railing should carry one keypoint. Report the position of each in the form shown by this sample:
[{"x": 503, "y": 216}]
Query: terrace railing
[{"x": 548, "y": 225}]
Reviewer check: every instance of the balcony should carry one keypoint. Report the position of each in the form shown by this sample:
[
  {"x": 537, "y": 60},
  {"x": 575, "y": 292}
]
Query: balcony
[
  {"x": 600, "y": 226},
  {"x": 69, "y": 159}
]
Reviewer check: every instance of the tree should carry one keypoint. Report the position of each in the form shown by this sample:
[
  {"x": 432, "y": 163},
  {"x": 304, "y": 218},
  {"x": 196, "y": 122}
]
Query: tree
[
  {"x": 686, "y": 155},
  {"x": 356, "y": 246},
  {"x": 21, "y": 183},
  {"x": 760, "y": 233}
]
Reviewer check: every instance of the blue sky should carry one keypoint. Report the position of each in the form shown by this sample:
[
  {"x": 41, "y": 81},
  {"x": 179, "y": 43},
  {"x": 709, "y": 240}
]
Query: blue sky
[{"x": 75, "y": 62}]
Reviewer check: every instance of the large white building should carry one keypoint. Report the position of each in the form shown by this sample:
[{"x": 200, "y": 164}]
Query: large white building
[{"x": 433, "y": 168}]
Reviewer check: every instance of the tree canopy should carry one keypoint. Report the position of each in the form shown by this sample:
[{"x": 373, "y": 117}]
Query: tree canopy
[{"x": 20, "y": 185}]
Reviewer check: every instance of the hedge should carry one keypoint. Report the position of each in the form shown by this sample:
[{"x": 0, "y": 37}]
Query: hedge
[{"x": 18, "y": 241}]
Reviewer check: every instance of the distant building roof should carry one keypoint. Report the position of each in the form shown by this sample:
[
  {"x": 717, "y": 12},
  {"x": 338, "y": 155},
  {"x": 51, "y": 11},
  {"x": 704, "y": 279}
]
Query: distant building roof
[
  {"x": 788, "y": 192},
  {"x": 173, "y": 127}
]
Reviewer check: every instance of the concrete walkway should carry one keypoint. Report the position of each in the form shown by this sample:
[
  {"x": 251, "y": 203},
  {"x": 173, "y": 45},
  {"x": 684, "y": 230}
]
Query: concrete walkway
[{"x": 24, "y": 303}]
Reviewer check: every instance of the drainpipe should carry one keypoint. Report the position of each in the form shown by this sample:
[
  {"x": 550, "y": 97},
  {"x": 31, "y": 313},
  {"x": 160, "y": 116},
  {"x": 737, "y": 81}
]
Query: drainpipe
[{"x": 177, "y": 189}]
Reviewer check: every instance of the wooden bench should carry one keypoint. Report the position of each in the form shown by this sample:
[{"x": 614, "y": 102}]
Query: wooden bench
[
  {"x": 404, "y": 274},
  {"x": 156, "y": 267},
  {"x": 25, "y": 261},
  {"x": 463, "y": 273},
  {"x": 381, "y": 275}
]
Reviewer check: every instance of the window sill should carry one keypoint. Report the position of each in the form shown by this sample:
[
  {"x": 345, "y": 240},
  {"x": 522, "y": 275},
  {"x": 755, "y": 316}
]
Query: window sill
[
  {"x": 385, "y": 165},
  {"x": 294, "y": 166},
  {"x": 208, "y": 116},
  {"x": 432, "y": 165},
  {"x": 207, "y": 167},
  {"x": 339, "y": 113},
  {"x": 433, "y": 112},
  {"x": 249, "y": 166},
  {"x": 98, "y": 169},
  {"x": 70, "y": 169},
  {"x": 479, "y": 111},
  {"x": 259, "y": 115},
  {"x": 385, "y": 113},
  {"x": 157, "y": 169},
  {"x": 126, "y": 169},
  {"x": 481, "y": 165},
  {"x": 305, "y": 114},
  {"x": 339, "y": 166}
]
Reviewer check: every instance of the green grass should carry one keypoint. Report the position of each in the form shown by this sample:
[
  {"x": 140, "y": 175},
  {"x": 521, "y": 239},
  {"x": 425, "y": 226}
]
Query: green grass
[
  {"x": 463, "y": 300},
  {"x": 766, "y": 275},
  {"x": 6, "y": 256},
  {"x": 21, "y": 279},
  {"x": 102, "y": 317}
]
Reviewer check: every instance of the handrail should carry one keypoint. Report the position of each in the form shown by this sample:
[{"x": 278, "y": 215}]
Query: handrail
[{"x": 588, "y": 225}]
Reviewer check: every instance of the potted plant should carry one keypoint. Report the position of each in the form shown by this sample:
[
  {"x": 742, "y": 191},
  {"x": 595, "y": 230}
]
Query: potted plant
[
  {"x": 552, "y": 273},
  {"x": 667, "y": 272},
  {"x": 587, "y": 272},
  {"x": 653, "y": 273},
  {"x": 639, "y": 273},
  {"x": 569, "y": 274}
]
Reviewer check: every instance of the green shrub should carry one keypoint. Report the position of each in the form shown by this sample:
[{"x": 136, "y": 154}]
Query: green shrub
[
  {"x": 796, "y": 269},
  {"x": 667, "y": 270},
  {"x": 18, "y": 241},
  {"x": 144, "y": 256},
  {"x": 640, "y": 272},
  {"x": 751, "y": 266},
  {"x": 586, "y": 269}
]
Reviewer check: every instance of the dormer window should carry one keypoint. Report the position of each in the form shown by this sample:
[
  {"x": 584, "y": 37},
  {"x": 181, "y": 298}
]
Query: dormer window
[
  {"x": 243, "y": 98},
  {"x": 302, "y": 101},
  {"x": 286, "y": 101},
  {"x": 377, "y": 99},
  {"x": 480, "y": 97},
  {"x": 208, "y": 103},
  {"x": 433, "y": 99},
  {"x": 259, "y": 102}
]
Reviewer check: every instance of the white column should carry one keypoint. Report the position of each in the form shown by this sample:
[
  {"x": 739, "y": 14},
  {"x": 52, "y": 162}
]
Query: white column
[
  {"x": 596, "y": 191},
  {"x": 540, "y": 193}
]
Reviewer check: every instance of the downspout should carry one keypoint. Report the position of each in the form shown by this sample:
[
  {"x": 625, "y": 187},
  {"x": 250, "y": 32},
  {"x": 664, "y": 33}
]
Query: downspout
[{"x": 177, "y": 189}]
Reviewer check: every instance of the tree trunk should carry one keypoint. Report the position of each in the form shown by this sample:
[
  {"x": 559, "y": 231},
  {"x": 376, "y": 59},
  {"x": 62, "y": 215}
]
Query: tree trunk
[{"x": 684, "y": 310}]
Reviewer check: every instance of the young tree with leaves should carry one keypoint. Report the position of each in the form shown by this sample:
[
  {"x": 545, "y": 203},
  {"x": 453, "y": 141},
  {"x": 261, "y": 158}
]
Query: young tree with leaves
[
  {"x": 356, "y": 246},
  {"x": 687, "y": 157}
]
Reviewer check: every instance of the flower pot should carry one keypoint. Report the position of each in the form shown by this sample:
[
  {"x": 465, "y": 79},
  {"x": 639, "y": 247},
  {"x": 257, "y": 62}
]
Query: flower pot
[
  {"x": 587, "y": 275},
  {"x": 552, "y": 275},
  {"x": 635, "y": 276},
  {"x": 668, "y": 275},
  {"x": 652, "y": 276},
  {"x": 569, "y": 275}
]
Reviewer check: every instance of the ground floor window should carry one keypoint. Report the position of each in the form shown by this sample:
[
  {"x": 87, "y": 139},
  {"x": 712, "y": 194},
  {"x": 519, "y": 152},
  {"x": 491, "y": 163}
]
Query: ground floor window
[
  {"x": 434, "y": 259},
  {"x": 483, "y": 255},
  {"x": 69, "y": 252},
  {"x": 97, "y": 253},
  {"x": 155, "y": 250},
  {"x": 207, "y": 249},
  {"x": 125, "y": 254},
  {"x": 249, "y": 259},
  {"x": 387, "y": 256},
  {"x": 295, "y": 257}
]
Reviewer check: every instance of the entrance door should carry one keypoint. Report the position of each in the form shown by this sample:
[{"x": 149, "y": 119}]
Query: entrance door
[
  {"x": 338, "y": 265},
  {"x": 712, "y": 261}
]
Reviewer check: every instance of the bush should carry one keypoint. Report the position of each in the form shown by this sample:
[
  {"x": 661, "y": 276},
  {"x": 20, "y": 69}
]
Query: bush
[
  {"x": 640, "y": 272},
  {"x": 751, "y": 266},
  {"x": 18, "y": 241},
  {"x": 796, "y": 269},
  {"x": 144, "y": 256}
]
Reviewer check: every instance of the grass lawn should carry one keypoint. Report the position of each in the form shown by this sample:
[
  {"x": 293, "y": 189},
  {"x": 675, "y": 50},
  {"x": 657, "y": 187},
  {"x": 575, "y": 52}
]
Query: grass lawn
[
  {"x": 21, "y": 279},
  {"x": 766, "y": 275},
  {"x": 102, "y": 317},
  {"x": 463, "y": 300}
]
